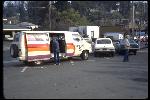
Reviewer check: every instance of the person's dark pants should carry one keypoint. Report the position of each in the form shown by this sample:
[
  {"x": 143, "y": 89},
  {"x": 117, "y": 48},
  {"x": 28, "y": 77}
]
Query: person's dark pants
[
  {"x": 126, "y": 55},
  {"x": 56, "y": 57}
]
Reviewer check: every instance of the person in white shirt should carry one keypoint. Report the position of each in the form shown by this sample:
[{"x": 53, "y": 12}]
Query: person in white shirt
[{"x": 126, "y": 51}]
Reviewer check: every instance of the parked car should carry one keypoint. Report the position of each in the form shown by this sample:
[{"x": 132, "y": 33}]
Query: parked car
[
  {"x": 133, "y": 47},
  {"x": 104, "y": 45}
]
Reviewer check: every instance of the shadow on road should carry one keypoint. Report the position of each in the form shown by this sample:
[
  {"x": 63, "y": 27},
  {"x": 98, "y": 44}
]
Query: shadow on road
[{"x": 48, "y": 62}]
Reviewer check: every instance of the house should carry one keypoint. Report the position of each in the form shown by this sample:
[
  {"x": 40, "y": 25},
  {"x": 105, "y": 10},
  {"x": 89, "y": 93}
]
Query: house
[{"x": 10, "y": 29}]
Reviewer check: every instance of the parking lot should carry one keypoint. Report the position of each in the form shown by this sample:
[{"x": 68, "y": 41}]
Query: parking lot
[{"x": 96, "y": 78}]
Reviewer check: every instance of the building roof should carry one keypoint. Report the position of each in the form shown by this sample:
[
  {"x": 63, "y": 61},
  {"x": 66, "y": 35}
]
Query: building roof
[
  {"x": 26, "y": 24},
  {"x": 9, "y": 27},
  {"x": 105, "y": 29}
]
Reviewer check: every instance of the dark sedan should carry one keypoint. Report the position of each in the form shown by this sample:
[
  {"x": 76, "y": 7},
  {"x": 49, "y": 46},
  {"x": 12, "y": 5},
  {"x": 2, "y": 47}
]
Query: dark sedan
[{"x": 119, "y": 46}]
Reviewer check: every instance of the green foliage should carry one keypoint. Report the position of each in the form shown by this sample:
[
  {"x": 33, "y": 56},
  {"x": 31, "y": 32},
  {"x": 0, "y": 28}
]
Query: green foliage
[
  {"x": 116, "y": 15},
  {"x": 22, "y": 12},
  {"x": 62, "y": 5},
  {"x": 63, "y": 14},
  {"x": 73, "y": 17},
  {"x": 10, "y": 10}
]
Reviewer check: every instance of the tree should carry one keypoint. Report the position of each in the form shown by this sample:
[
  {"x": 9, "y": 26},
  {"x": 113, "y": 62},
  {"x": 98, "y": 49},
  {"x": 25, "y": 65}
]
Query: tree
[
  {"x": 125, "y": 8},
  {"x": 70, "y": 17},
  {"x": 81, "y": 7},
  {"x": 22, "y": 11},
  {"x": 10, "y": 10},
  {"x": 62, "y": 5},
  {"x": 116, "y": 15},
  {"x": 37, "y": 14}
]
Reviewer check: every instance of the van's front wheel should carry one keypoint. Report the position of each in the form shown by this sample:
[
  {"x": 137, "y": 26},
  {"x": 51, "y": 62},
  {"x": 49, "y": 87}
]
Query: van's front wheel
[{"x": 84, "y": 55}]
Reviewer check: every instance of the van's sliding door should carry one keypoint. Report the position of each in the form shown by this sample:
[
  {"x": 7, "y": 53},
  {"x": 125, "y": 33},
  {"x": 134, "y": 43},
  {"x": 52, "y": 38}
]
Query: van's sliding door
[{"x": 37, "y": 46}]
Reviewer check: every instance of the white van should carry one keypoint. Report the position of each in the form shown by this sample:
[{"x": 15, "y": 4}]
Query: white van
[{"x": 35, "y": 46}]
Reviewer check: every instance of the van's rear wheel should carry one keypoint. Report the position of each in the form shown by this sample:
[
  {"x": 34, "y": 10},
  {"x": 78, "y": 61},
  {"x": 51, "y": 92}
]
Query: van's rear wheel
[
  {"x": 14, "y": 51},
  {"x": 95, "y": 54},
  {"x": 84, "y": 55}
]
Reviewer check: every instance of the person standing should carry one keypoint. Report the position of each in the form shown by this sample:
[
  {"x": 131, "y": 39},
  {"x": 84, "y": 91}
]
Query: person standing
[
  {"x": 56, "y": 50},
  {"x": 126, "y": 51}
]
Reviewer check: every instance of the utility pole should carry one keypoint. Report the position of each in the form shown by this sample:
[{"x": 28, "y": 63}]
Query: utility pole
[
  {"x": 133, "y": 21},
  {"x": 50, "y": 15}
]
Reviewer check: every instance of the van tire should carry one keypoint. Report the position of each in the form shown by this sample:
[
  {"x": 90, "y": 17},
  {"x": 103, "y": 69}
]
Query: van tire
[
  {"x": 14, "y": 51},
  {"x": 134, "y": 52},
  {"x": 84, "y": 55},
  {"x": 95, "y": 54}
]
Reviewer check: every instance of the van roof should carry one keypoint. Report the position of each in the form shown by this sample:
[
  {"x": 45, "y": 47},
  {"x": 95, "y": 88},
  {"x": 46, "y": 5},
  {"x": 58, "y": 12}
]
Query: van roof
[{"x": 48, "y": 32}]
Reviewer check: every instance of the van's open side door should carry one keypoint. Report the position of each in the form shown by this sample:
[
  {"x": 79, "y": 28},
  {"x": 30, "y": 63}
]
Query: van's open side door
[{"x": 37, "y": 45}]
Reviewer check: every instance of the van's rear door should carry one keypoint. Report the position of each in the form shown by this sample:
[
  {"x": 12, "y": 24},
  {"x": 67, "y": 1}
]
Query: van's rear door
[{"x": 37, "y": 46}]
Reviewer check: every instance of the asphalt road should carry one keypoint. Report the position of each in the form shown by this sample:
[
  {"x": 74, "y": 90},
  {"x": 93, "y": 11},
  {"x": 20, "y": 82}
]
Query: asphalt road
[{"x": 97, "y": 78}]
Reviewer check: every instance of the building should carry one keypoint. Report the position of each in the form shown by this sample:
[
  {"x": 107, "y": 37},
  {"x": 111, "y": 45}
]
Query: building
[
  {"x": 10, "y": 29},
  {"x": 86, "y": 31},
  {"x": 108, "y": 29}
]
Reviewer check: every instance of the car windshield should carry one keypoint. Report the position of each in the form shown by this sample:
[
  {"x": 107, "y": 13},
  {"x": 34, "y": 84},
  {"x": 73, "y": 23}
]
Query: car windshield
[
  {"x": 131, "y": 41},
  {"x": 104, "y": 41}
]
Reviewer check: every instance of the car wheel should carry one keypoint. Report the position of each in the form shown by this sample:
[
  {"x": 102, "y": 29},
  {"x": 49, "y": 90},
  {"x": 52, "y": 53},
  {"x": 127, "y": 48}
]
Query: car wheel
[
  {"x": 134, "y": 52},
  {"x": 95, "y": 54},
  {"x": 112, "y": 54},
  {"x": 84, "y": 55},
  {"x": 14, "y": 51}
]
